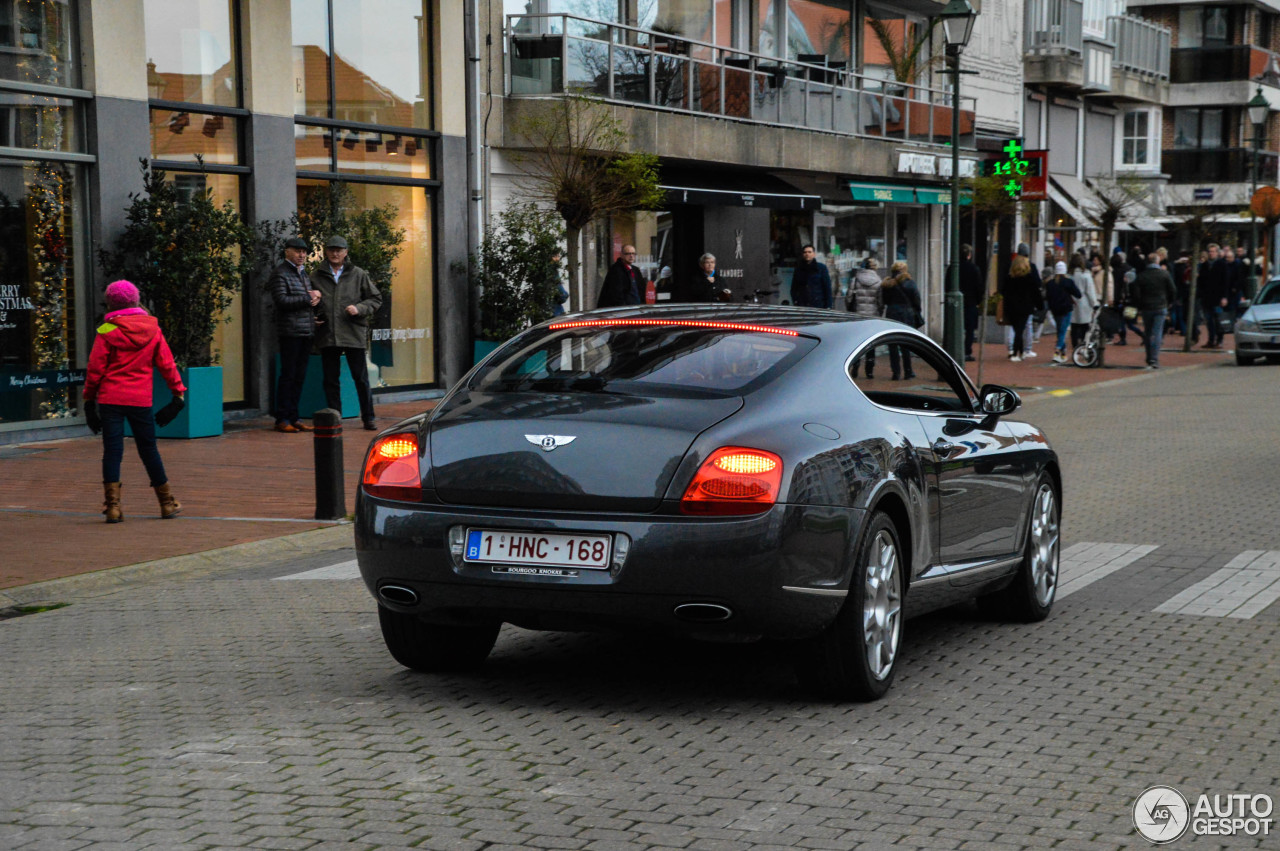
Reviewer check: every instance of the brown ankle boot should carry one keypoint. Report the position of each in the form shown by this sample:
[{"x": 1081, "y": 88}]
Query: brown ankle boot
[
  {"x": 169, "y": 506},
  {"x": 111, "y": 502}
]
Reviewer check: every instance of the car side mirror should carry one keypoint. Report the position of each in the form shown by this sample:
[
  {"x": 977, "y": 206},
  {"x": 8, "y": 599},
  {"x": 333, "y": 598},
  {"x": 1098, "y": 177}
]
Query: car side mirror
[{"x": 997, "y": 401}]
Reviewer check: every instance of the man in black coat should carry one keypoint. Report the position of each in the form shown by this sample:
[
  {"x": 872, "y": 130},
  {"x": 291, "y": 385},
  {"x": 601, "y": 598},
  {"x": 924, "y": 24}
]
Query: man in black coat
[
  {"x": 1211, "y": 292},
  {"x": 294, "y": 299},
  {"x": 623, "y": 283},
  {"x": 811, "y": 282},
  {"x": 971, "y": 287}
]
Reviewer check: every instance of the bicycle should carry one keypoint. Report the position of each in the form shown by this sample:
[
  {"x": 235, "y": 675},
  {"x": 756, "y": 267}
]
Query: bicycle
[{"x": 1105, "y": 321}]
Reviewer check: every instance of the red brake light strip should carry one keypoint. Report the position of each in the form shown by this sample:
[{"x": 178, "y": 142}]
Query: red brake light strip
[{"x": 686, "y": 323}]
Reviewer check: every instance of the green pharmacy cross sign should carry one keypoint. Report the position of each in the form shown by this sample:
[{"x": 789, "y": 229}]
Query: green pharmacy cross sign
[{"x": 1014, "y": 166}]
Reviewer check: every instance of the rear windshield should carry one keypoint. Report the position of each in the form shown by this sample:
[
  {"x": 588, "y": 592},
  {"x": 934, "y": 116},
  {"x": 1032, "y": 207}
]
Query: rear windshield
[{"x": 643, "y": 359}]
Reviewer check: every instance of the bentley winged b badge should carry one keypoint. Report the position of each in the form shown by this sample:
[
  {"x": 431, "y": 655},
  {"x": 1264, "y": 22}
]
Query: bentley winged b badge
[{"x": 549, "y": 442}]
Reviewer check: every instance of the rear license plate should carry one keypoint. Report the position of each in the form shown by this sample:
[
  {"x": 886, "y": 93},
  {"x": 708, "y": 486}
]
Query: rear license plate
[{"x": 503, "y": 546}]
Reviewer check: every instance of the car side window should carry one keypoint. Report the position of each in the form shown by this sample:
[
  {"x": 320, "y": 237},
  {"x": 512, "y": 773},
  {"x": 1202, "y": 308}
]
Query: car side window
[{"x": 901, "y": 372}]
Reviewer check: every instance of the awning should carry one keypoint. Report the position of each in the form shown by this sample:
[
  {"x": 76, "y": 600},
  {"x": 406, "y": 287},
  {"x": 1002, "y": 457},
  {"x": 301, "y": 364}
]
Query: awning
[
  {"x": 1068, "y": 206},
  {"x": 883, "y": 192},
  {"x": 733, "y": 189},
  {"x": 1146, "y": 223},
  {"x": 940, "y": 196},
  {"x": 1072, "y": 195}
]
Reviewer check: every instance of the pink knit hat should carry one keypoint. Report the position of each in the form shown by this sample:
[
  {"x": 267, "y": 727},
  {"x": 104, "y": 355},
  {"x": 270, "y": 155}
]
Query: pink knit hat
[{"x": 121, "y": 294}]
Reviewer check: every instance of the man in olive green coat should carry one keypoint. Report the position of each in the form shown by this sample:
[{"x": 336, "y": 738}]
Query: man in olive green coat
[{"x": 348, "y": 300}]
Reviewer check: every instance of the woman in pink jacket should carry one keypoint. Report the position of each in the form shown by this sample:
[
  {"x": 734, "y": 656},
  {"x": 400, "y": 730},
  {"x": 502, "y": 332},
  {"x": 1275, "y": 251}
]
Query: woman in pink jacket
[{"x": 117, "y": 388}]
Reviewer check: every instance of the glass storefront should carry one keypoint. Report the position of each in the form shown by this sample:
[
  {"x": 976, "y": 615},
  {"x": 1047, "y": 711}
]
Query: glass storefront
[
  {"x": 42, "y": 313},
  {"x": 363, "y": 118},
  {"x": 193, "y": 60},
  {"x": 37, "y": 43}
]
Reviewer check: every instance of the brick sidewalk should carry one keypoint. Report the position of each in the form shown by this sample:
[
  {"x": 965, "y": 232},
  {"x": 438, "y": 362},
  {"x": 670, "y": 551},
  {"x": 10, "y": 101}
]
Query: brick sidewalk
[
  {"x": 248, "y": 484},
  {"x": 252, "y": 483}
]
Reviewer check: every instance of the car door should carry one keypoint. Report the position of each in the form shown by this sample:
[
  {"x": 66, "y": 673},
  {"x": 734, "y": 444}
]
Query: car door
[{"x": 977, "y": 486}]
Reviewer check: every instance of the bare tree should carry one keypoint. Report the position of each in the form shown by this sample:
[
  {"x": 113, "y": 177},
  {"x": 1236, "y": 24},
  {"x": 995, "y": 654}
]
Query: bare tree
[
  {"x": 1117, "y": 198},
  {"x": 575, "y": 161},
  {"x": 1198, "y": 221}
]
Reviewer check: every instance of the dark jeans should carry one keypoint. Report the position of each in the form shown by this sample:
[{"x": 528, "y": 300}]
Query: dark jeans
[
  {"x": 1153, "y": 322},
  {"x": 1017, "y": 321},
  {"x": 1211, "y": 312},
  {"x": 1079, "y": 331},
  {"x": 906, "y": 362},
  {"x": 144, "y": 435},
  {"x": 294, "y": 353},
  {"x": 331, "y": 361}
]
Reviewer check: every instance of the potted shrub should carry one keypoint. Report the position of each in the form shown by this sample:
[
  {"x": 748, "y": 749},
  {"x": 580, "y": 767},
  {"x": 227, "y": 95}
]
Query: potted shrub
[
  {"x": 375, "y": 241},
  {"x": 189, "y": 257},
  {"x": 514, "y": 275}
]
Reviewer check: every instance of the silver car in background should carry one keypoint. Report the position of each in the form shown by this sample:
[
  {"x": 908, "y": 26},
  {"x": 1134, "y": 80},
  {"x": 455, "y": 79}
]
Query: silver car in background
[{"x": 1257, "y": 331}]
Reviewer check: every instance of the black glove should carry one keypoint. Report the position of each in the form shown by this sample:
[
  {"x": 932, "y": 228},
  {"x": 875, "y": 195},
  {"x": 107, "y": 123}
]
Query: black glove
[
  {"x": 166, "y": 415},
  {"x": 92, "y": 417}
]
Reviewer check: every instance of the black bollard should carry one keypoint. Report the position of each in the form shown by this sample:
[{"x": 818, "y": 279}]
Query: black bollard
[{"x": 331, "y": 503}]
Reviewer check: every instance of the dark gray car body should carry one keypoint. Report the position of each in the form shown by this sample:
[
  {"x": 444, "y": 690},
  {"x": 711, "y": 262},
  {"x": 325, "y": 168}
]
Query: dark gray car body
[{"x": 958, "y": 485}]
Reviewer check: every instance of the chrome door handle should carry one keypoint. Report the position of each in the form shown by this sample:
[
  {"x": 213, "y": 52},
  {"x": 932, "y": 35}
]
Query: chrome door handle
[{"x": 942, "y": 447}]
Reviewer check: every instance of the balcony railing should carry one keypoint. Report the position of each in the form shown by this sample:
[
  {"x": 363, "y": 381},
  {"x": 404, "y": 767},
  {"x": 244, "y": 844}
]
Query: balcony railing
[
  {"x": 1218, "y": 64},
  {"x": 1141, "y": 46},
  {"x": 1218, "y": 165},
  {"x": 560, "y": 54},
  {"x": 1053, "y": 26}
]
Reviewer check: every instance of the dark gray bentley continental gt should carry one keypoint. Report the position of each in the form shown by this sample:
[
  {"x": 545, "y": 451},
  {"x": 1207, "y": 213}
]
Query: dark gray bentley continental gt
[{"x": 725, "y": 472}]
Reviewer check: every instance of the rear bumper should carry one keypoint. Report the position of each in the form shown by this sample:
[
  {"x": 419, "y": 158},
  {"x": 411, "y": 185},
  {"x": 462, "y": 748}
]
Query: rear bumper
[{"x": 781, "y": 574}]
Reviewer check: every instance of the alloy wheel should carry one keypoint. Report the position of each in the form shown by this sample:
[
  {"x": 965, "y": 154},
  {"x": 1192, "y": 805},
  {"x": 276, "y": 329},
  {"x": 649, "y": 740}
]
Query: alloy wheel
[
  {"x": 1044, "y": 546},
  {"x": 882, "y": 606}
]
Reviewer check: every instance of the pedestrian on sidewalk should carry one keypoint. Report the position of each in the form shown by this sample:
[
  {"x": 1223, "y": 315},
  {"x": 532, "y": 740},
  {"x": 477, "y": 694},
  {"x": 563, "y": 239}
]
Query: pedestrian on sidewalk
[
  {"x": 974, "y": 291},
  {"x": 866, "y": 298},
  {"x": 1211, "y": 292},
  {"x": 1082, "y": 310},
  {"x": 1152, "y": 292},
  {"x": 811, "y": 281},
  {"x": 1028, "y": 333},
  {"x": 902, "y": 303},
  {"x": 1021, "y": 298},
  {"x": 294, "y": 299},
  {"x": 1060, "y": 294},
  {"x": 348, "y": 300},
  {"x": 117, "y": 388}
]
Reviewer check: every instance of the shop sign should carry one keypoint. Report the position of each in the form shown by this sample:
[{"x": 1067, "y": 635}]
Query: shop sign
[
  {"x": 882, "y": 193},
  {"x": 41, "y": 379},
  {"x": 1203, "y": 193},
  {"x": 917, "y": 163},
  {"x": 968, "y": 167},
  {"x": 399, "y": 335},
  {"x": 12, "y": 299}
]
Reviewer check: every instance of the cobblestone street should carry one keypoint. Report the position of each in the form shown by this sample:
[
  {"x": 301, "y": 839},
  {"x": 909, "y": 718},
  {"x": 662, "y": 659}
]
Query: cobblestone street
[{"x": 232, "y": 710}]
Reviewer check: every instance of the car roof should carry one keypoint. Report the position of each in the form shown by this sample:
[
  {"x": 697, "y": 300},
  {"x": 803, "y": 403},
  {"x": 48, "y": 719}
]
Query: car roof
[{"x": 811, "y": 321}]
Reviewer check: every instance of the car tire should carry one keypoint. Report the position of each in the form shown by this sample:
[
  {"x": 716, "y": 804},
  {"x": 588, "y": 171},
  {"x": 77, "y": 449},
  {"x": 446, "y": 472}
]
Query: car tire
[
  {"x": 1242, "y": 360},
  {"x": 431, "y": 648},
  {"x": 1029, "y": 597},
  {"x": 856, "y": 657}
]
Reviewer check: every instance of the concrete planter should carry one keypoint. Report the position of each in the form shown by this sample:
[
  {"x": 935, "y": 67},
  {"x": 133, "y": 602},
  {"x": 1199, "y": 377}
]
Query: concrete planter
[{"x": 202, "y": 417}]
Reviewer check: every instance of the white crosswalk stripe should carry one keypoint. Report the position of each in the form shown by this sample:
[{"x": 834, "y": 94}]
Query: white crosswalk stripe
[
  {"x": 1085, "y": 563},
  {"x": 1248, "y": 584},
  {"x": 342, "y": 570}
]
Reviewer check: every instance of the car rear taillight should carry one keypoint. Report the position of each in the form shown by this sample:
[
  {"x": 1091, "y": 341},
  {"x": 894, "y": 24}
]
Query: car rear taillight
[
  {"x": 391, "y": 468},
  {"x": 734, "y": 480}
]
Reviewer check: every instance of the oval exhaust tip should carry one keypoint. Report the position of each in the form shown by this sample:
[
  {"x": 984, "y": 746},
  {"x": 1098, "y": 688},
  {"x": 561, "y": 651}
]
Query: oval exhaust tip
[
  {"x": 399, "y": 595},
  {"x": 703, "y": 612}
]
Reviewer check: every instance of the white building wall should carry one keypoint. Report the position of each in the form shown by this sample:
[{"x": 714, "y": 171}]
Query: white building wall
[{"x": 995, "y": 52}]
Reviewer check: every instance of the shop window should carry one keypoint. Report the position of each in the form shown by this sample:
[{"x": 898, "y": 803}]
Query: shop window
[
  {"x": 41, "y": 312},
  {"x": 402, "y": 336},
  {"x": 36, "y": 44},
  {"x": 380, "y": 61},
  {"x": 178, "y": 136},
  {"x": 39, "y": 122},
  {"x": 191, "y": 51}
]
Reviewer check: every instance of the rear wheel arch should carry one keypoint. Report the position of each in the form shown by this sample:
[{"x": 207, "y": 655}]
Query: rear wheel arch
[{"x": 892, "y": 506}]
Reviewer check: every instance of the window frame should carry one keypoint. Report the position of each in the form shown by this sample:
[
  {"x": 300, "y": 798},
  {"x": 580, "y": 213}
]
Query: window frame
[
  {"x": 956, "y": 379},
  {"x": 1152, "y": 139}
]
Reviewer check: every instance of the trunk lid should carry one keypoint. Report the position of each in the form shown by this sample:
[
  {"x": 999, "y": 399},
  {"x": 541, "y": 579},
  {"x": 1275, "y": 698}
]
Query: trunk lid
[{"x": 488, "y": 448}]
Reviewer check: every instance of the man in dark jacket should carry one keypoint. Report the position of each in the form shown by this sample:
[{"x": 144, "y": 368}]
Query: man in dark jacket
[
  {"x": 1152, "y": 292},
  {"x": 973, "y": 291},
  {"x": 811, "y": 282},
  {"x": 348, "y": 300},
  {"x": 623, "y": 283},
  {"x": 1211, "y": 292},
  {"x": 294, "y": 299}
]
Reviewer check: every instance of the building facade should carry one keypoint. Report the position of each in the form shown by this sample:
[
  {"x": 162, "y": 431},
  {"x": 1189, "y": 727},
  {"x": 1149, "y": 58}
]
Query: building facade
[
  {"x": 262, "y": 102},
  {"x": 778, "y": 124}
]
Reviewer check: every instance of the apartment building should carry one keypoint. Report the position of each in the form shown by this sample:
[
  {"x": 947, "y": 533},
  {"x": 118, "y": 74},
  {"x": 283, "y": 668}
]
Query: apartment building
[
  {"x": 1223, "y": 54},
  {"x": 777, "y": 124},
  {"x": 280, "y": 98},
  {"x": 1096, "y": 81}
]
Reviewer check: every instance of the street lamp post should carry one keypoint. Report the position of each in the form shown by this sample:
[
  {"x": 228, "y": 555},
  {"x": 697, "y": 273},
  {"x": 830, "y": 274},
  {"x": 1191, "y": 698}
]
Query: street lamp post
[
  {"x": 957, "y": 26},
  {"x": 1259, "y": 109}
]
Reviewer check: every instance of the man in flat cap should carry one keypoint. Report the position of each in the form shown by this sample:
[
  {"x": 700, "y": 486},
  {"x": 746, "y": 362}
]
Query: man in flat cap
[
  {"x": 295, "y": 299},
  {"x": 348, "y": 300}
]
